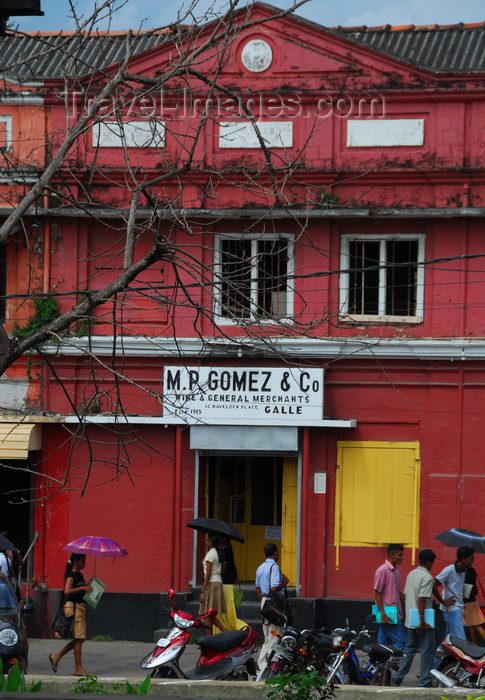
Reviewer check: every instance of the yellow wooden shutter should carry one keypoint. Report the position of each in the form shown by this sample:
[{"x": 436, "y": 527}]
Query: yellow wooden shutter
[
  {"x": 289, "y": 518},
  {"x": 377, "y": 494}
]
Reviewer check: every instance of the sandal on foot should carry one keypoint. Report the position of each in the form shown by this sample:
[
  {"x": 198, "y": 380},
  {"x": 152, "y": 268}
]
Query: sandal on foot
[{"x": 54, "y": 665}]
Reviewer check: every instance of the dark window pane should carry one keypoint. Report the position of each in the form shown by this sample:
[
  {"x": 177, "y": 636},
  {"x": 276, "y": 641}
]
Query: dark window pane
[
  {"x": 364, "y": 277},
  {"x": 262, "y": 500},
  {"x": 236, "y": 277},
  {"x": 267, "y": 486},
  {"x": 7, "y": 603},
  {"x": 401, "y": 280},
  {"x": 272, "y": 271}
]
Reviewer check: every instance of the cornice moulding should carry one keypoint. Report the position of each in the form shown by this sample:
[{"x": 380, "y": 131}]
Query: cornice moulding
[
  {"x": 238, "y": 213},
  {"x": 308, "y": 348}
]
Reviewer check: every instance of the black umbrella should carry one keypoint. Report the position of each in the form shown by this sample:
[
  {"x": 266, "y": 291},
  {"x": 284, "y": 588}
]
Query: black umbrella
[
  {"x": 217, "y": 526},
  {"x": 459, "y": 537},
  {"x": 6, "y": 544}
]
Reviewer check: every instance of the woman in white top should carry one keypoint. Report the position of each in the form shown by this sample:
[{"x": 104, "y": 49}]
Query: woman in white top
[
  {"x": 212, "y": 593},
  {"x": 4, "y": 563}
]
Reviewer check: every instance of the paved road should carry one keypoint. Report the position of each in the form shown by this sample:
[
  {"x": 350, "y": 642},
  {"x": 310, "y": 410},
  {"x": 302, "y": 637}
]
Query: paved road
[
  {"x": 122, "y": 659},
  {"x": 114, "y": 659}
]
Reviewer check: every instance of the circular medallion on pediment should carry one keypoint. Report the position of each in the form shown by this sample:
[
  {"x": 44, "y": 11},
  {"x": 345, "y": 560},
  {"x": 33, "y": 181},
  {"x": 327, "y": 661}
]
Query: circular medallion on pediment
[{"x": 257, "y": 55}]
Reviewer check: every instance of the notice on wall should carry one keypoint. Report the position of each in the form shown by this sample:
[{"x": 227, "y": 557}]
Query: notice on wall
[
  {"x": 272, "y": 532},
  {"x": 249, "y": 395},
  {"x": 320, "y": 482}
]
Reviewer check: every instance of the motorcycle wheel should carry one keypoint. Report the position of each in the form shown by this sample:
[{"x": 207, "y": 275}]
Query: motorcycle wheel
[
  {"x": 382, "y": 677},
  {"x": 447, "y": 668},
  {"x": 265, "y": 674},
  {"x": 339, "y": 677}
]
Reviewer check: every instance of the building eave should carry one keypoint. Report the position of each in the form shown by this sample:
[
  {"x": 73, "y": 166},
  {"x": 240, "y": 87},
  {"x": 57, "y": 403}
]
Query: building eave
[
  {"x": 447, "y": 349},
  {"x": 257, "y": 213}
]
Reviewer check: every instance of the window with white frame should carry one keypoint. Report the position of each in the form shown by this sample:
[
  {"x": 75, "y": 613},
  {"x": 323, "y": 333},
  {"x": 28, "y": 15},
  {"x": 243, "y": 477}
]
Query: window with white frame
[
  {"x": 253, "y": 275},
  {"x": 382, "y": 277}
]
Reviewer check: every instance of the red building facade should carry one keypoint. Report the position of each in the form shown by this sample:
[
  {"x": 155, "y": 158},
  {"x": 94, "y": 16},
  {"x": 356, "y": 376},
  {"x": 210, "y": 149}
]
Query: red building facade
[{"x": 311, "y": 365}]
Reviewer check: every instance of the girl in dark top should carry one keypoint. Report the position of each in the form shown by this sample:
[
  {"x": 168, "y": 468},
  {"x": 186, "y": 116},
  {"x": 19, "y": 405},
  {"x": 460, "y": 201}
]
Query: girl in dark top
[
  {"x": 74, "y": 589},
  {"x": 473, "y": 618}
]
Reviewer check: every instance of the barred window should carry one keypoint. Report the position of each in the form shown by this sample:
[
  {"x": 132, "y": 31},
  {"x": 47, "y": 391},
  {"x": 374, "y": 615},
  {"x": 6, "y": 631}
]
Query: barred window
[
  {"x": 382, "y": 278},
  {"x": 252, "y": 277}
]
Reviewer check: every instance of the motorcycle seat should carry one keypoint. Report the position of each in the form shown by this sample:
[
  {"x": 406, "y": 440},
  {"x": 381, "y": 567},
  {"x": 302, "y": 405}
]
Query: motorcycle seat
[
  {"x": 321, "y": 642},
  {"x": 224, "y": 641},
  {"x": 469, "y": 648},
  {"x": 382, "y": 652}
]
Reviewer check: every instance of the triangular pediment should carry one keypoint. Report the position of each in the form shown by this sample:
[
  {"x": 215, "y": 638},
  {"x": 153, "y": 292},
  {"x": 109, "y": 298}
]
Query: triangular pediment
[{"x": 289, "y": 51}]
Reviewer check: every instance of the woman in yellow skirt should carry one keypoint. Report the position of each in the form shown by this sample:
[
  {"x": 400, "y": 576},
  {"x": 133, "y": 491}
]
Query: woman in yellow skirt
[{"x": 229, "y": 578}]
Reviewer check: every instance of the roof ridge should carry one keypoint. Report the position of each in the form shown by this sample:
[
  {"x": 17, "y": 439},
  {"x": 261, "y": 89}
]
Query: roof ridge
[
  {"x": 120, "y": 32},
  {"x": 413, "y": 27}
]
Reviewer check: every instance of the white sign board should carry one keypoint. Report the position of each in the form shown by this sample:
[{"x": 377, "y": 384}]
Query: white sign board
[
  {"x": 385, "y": 132},
  {"x": 245, "y": 395},
  {"x": 243, "y": 135}
]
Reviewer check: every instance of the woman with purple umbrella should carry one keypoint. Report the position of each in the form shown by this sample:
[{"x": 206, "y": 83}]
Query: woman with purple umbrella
[{"x": 74, "y": 589}]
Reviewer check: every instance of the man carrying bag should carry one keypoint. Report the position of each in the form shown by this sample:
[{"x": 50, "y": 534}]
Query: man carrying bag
[{"x": 270, "y": 583}]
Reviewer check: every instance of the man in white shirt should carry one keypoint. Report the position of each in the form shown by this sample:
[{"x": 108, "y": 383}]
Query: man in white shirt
[{"x": 452, "y": 578}]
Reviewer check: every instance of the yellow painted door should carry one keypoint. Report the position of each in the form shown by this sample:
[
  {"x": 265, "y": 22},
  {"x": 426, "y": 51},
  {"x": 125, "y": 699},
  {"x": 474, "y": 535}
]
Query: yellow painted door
[
  {"x": 289, "y": 517},
  {"x": 247, "y": 493}
]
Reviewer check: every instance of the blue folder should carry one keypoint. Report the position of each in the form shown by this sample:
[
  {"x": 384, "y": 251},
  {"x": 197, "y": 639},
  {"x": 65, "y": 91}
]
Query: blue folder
[
  {"x": 390, "y": 610},
  {"x": 414, "y": 617}
]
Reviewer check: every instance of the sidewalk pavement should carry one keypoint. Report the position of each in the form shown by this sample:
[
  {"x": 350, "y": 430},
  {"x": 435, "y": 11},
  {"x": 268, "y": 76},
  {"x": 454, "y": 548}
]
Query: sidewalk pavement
[
  {"x": 121, "y": 660},
  {"x": 115, "y": 662}
]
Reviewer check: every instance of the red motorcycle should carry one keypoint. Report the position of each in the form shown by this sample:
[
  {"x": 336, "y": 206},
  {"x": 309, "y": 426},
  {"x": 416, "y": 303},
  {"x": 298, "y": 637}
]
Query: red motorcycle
[
  {"x": 224, "y": 655},
  {"x": 462, "y": 664}
]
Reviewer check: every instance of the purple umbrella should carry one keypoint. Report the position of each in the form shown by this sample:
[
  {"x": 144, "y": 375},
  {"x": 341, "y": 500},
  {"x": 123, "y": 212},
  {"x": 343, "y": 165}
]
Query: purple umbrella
[{"x": 97, "y": 546}]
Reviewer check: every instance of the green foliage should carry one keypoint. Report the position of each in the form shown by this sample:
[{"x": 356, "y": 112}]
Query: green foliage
[
  {"x": 307, "y": 683},
  {"x": 102, "y": 638},
  {"x": 238, "y": 597},
  {"x": 468, "y": 697},
  {"x": 90, "y": 684},
  {"x": 329, "y": 200},
  {"x": 46, "y": 310},
  {"x": 83, "y": 328},
  {"x": 143, "y": 688},
  {"x": 15, "y": 681}
]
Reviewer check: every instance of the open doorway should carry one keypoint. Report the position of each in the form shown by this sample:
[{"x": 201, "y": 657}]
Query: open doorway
[
  {"x": 16, "y": 502},
  {"x": 258, "y": 495}
]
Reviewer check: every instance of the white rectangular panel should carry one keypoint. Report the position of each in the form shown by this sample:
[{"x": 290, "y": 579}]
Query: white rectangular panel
[
  {"x": 243, "y": 135},
  {"x": 140, "y": 134},
  {"x": 372, "y": 133}
]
